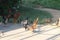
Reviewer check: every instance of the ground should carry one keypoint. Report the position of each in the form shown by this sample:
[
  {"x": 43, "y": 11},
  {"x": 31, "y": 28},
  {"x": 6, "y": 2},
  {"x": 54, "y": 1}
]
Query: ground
[
  {"x": 44, "y": 32},
  {"x": 17, "y": 32}
]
